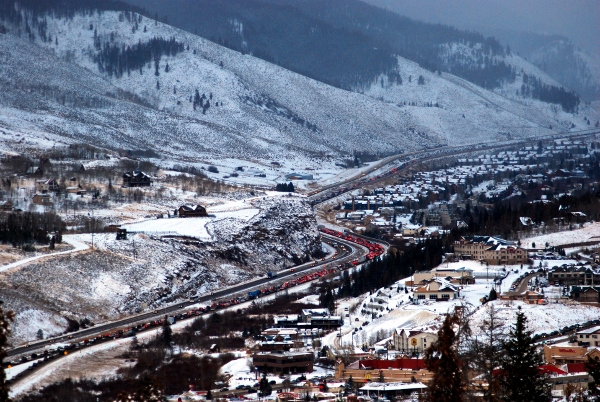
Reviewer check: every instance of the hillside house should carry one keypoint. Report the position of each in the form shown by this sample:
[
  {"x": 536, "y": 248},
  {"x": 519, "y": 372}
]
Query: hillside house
[
  {"x": 589, "y": 336},
  {"x": 6, "y": 206},
  {"x": 186, "y": 211},
  {"x": 35, "y": 171},
  {"x": 42, "y": 199},
  {"x": 411, "y": 340},
  {"x": 136, "y": 178},
  {"x": 437, "y": 290},
  {"x": 585, "y": 294},
  {"x": 45, "y": 186}
]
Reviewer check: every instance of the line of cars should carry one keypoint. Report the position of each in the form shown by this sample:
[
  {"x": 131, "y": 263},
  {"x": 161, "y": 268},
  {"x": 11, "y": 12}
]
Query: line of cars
[
  {"x": 375, "y": 250},
  {"x": 566, "y": 329}
]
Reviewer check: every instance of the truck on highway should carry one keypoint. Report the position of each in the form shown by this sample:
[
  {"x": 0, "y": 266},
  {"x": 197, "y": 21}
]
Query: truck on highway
[
  {"x": 271, "y": 274},
  {"x": 253, "y": 294}
]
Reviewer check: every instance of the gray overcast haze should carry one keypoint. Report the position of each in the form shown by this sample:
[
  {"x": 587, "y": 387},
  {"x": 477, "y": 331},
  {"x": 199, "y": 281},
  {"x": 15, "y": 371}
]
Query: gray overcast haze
[{"x": 578, "y": 20}]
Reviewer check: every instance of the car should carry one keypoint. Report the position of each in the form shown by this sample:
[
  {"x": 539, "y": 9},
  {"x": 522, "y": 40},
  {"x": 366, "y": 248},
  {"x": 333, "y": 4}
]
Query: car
[
  {"x": 251, "y": 391},
  {"x": 356, "y": 319},
  {"x": 292, "y": 270},
  {"x": 224, "y": 389},
  {"x": 339, "y": 335},
  {"x": 272, "y": 382}
]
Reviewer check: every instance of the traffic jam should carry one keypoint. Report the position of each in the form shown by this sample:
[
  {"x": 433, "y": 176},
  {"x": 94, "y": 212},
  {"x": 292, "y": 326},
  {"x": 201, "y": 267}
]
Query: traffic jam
[{"x": 63, "y": 346}]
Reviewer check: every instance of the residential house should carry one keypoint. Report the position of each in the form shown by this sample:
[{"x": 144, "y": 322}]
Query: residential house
[
  {"x": 136, "y": 178},
  {"x": 436, "y": 289},
  {"x": 42, "y": 199},
  {"x": 192, "y": 211},
  {"x": 6, "y": 206},
  {"x": 585, "y": 294},
  {"x": 589, "y": 336}
]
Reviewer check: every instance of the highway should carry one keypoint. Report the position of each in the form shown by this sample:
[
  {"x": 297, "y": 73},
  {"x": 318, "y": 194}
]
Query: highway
[
  {"x": 353, "y": 251},
  {"x": 322, "y": 195}
]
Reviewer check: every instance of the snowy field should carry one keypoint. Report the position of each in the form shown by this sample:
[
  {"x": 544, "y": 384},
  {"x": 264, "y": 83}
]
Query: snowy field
[
  {"x": 192, "y": 227},
  {"x": 398, "y": 311},
  {"x": 589, "y": 232}
]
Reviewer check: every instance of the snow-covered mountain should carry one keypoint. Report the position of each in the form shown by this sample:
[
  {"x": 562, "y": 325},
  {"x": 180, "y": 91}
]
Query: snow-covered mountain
[
  {"x": 60, "y": 91},
  {"x": 570, "y": 65}
]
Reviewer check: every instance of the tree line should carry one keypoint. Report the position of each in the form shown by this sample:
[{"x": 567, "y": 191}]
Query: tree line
[
  {"x": 533, "y": 87},
  {"x": 19, "y": 228},
  {"x": 115, "y": 60}
]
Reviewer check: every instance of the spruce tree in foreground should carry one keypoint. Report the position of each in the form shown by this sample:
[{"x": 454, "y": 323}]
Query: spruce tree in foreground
[
  {"x": 521, "y": 380},
  {"x": 441, "y": 358},
  {"x": 5, "y": 319},
  {"x": 167, "y": 333},
  {"x": 593, "y": 368}
]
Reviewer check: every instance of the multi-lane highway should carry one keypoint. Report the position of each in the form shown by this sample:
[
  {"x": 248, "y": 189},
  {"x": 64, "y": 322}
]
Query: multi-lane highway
[
  {"x": 349, "y": 252},
  {"x": 366, "y": 177}
]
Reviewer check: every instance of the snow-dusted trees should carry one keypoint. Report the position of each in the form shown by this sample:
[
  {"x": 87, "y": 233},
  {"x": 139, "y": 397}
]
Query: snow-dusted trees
[
  {"x": 115, "y": 60},
  {"x": 5, "y": 319},
  {"x": 520, "y": 378},
  {"x": 442, "y": 359},
  {"x": 593, "y": 368},
  {"x": 484, "y": 353}
]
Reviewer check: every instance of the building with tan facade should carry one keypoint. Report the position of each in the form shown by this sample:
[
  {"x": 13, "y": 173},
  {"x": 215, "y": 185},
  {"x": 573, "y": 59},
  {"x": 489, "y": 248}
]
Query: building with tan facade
[{"x": 493, "y": 250}]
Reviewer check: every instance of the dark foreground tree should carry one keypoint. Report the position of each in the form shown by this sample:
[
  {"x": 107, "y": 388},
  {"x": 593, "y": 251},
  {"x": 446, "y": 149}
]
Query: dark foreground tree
[
  {"x": 521, "y": 379},
  {"x": 593, "y": 368},
  {"x": 5, "y": 319},
  {"x": 264, "y": 386},
  {"x": 441, "y": 358},
  {"x": 167, "y": 333}
]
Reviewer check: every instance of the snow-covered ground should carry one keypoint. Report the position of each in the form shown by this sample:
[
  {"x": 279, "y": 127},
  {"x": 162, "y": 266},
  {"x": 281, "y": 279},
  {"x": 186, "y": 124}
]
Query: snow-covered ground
[
  {"x": 589, "y": 232},
  {"x": 398, "y": 311},
  {"x": 72, "y": 240},
  {"x": 193, "y": 227}
]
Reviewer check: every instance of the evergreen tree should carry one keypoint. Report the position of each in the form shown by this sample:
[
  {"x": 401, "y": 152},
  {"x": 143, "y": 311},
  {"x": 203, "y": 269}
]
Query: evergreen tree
[
  {"x": 5, "y": 319},
  {"x": 441, "y": 358},
  {"x": 493, "y": 295},
  {"x": 264, "y": 386},
  {"x": 208, "y": 395},
  {"x": 521, "y": 379},
  {"x": 167, "y": 333},
  {"x": 349, "y": 386},
  {"x": 40, "y": 334},
  {"x": 593, "y": 368}
]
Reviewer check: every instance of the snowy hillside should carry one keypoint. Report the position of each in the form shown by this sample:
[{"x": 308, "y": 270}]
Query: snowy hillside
[
  {"x": 258, "y": 111},
  {"x": 166, "y": 260},
  {"x": 467, "y": 113},
  {"x": 262, "y": 109},
  {"x": 571, "y": 66}
]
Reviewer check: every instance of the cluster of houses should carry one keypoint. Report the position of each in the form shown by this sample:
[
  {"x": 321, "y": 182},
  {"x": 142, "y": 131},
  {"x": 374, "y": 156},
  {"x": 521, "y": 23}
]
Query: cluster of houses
[{"x": 436, "y": 199}]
